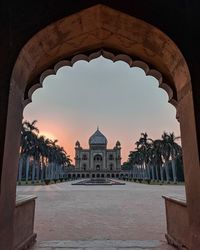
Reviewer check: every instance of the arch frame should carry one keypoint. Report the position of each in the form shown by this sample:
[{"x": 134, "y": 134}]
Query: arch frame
[
  {"x": 95, "y": 29},
  {"x": 100, "y": 27}
]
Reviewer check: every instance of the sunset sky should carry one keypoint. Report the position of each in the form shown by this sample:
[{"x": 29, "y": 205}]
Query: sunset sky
[{"x": 122, "y": 101}]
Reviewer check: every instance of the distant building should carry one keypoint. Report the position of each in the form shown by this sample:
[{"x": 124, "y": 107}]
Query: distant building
[{"x": 97, "y": 157}]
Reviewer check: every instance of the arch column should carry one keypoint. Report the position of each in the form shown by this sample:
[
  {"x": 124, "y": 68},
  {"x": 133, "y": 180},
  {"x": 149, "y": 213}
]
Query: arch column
[
  {"x": 189, "y": 130},
  {"x": 10, "y": 155}
]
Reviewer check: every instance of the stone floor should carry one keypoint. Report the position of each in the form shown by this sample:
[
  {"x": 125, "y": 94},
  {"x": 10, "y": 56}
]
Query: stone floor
[
  {"x": 131, "y": 213},
  {"x": 103, "y": 245}
]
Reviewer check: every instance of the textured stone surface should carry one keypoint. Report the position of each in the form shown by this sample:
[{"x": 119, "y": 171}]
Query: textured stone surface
[
  {"x": 102, "y": 244},
  {"x": 128, "y": 212},
  {"x": 24, "y": 212}
]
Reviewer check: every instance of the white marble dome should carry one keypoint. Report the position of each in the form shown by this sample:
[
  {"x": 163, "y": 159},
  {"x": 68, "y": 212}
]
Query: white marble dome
[{"x": 97, "y": 138}]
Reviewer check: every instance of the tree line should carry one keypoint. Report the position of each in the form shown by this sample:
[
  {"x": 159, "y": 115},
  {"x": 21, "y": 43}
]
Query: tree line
[
  {"x": 40, "y": 158},
  {"x": 156, "y": 160}
]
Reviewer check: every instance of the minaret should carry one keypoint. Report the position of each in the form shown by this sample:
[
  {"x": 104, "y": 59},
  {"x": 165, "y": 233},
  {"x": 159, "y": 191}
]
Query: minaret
[
  {"x": 77, "y": 155},
  {"x": 118, "y": 155}
]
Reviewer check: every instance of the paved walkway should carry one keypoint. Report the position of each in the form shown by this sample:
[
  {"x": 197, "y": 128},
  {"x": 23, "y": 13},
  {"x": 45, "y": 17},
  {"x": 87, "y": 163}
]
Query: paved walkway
[
  {"x": 129, "y": 212},
  {"x": 103, "y": 245}
]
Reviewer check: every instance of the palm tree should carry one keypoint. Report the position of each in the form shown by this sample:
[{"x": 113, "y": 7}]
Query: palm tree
[
  {"x": 57, "y": 160},
  {"x": 166, "y": 151},
  {"x": 175, "y": 151},
  {"x": 152, "y": 158},
  {"x": 63, "y": 161},
  {"x": 135, "y": 162},
  {"x": 35, "y": 153},
  {"x": 48, "y": 160},
  {"x": 156, "y": 159},
  {"x": 170, "y": 151},
  {"x": 151, "y": 166},
  {"x": 22, "y": 153},
  {"x": 43, "y": 149},
  {"x": 143, "y": 146},
  {"x": 28, "y": 135},
  {"x": 52, "y": 156}
]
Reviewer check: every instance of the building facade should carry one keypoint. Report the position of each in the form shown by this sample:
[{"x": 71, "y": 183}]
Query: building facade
[{"x": 97, "y": 157}]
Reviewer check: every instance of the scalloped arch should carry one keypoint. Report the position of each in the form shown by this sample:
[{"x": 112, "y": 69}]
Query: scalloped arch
[
  {"x": 108, "y": 55},
  {"x": 100, "y": 30}
]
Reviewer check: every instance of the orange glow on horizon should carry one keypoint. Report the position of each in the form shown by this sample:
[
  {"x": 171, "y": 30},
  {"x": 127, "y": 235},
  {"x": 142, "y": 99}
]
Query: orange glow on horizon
[
  {"x": 48, "y": 135},
  {"x": 123, "y": 101},
  {"x": 69, "y": 144}
]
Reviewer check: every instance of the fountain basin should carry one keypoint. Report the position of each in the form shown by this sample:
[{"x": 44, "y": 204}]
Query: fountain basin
[{"x": 98, "y": 181}]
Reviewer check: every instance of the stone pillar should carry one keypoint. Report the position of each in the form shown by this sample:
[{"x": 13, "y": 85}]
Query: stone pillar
[
  {"x": 10, "y": 127},
  {"x": 189, "y": 131}
]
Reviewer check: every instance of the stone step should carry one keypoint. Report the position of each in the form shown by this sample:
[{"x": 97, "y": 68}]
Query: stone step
[{"x": 102, "y": 245}]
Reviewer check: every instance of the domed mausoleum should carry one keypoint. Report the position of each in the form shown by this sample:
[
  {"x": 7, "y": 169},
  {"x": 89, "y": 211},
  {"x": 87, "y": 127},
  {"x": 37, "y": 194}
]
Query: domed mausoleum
[
  {"x": 97, "y": 139},
  {"x": 97, "y": 157}
]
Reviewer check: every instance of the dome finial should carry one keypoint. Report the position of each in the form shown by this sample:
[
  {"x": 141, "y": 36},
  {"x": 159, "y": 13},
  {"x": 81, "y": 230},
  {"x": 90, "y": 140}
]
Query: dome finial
[{"x": 97, "y": 138}]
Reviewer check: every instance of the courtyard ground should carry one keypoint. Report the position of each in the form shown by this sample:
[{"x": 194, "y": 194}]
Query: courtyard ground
[{"x": 132, "y": 212}]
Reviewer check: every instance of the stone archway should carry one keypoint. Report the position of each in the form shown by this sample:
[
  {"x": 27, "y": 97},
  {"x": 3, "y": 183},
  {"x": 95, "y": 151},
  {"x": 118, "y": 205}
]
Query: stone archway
[{"x": 117, "y": 36}]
